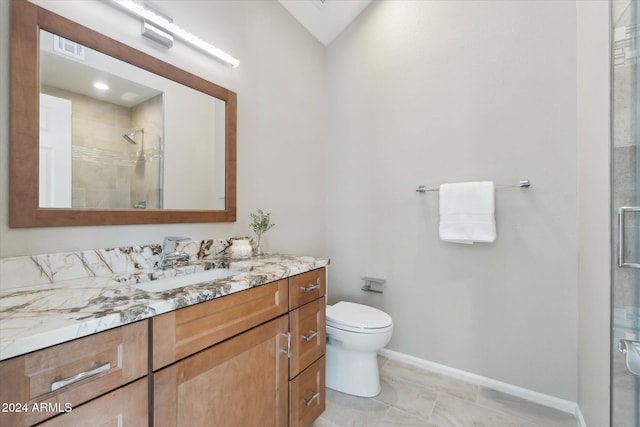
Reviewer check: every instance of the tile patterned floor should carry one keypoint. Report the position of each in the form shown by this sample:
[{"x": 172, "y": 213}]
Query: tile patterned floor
[{"x": 412, "y": 396}]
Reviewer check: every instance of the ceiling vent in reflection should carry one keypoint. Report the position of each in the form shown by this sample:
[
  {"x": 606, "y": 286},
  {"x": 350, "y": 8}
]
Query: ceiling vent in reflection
[{"x": 68, "y": 48}]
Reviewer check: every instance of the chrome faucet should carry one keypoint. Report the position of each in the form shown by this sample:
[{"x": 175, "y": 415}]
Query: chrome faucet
[{"x": 170, "y": 257}]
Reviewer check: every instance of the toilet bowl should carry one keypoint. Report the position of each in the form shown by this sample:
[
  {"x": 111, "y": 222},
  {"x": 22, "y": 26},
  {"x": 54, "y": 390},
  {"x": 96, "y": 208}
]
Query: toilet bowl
[{"x": 355, "y": 333}]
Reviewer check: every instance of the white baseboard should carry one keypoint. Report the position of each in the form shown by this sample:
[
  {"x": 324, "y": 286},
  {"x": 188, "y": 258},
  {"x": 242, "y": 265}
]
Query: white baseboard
[{"x": 523, "y": 393}]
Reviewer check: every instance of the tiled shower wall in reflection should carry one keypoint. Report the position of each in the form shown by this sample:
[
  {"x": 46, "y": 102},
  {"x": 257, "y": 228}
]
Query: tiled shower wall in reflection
[
  {"x": 146, "y": 172},
  {"x": 107, "y": 171}
]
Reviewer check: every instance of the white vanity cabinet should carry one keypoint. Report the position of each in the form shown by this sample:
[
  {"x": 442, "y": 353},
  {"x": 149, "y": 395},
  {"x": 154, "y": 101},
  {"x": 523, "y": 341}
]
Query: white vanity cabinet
[{"x": 54, "y": 383}]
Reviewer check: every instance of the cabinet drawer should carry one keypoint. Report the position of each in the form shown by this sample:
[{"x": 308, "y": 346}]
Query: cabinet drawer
[
  {"x": 307, "y": 395},
  {"x": 125, "y": 407},
  {"x": 72, "y": 373},
  {"x": 308, "y": 335},
  {"x": 306, "y": 287},
  {"x": 181, "y": 333}
]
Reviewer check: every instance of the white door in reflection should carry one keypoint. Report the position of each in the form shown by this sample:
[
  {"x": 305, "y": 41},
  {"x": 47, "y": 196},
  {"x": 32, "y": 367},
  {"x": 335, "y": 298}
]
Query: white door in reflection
[{"x": 55, "y": 152}]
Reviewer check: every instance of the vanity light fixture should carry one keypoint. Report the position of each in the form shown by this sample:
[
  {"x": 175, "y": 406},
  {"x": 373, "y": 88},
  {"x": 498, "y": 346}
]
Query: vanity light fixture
[{"x": 169, "y": 27}]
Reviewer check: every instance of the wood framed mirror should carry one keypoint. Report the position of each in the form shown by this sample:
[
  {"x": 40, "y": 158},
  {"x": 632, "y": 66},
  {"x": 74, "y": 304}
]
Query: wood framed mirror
[{"x": 26, "y": 208}]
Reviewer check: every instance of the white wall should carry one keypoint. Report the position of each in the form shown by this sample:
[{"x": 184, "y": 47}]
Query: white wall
[
  {"x": 594, "y": 274},
  {"x": 280, "y": 126},
  {"x": 435, "y": 92}
]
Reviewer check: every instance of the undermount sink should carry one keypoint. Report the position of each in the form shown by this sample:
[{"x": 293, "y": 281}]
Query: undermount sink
[{"x": 180, "y": 281}]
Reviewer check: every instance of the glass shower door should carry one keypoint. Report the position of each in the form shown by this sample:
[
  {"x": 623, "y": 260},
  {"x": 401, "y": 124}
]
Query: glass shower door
[{"x": 625, "y": 191}]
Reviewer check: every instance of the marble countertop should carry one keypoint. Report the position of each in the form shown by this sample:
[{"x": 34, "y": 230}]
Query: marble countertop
[{"x": 39, "y": 316}]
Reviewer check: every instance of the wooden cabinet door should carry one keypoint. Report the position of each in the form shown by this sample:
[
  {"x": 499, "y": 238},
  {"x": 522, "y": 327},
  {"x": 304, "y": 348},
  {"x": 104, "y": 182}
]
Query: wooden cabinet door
[
  {"x": 124, "y": 407},
  {"x": 239, "y": 382}
]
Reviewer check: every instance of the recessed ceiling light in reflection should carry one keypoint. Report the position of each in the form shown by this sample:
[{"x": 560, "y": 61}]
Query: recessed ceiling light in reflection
[{"x": 101, "y": 86}]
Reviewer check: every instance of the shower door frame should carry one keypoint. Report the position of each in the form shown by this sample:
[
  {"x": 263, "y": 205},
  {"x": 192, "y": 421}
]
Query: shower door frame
[{"x": 625, "y": 274}]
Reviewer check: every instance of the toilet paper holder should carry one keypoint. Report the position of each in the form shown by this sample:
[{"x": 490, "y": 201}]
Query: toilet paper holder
[
  {"x": 372, "y": 281},
  {"x": 631, "y": 351}
]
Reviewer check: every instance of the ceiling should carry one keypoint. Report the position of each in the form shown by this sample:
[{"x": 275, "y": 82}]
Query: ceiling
[
  {"x": 325, "y": 19},
  {"x": 60, "y": 68}
]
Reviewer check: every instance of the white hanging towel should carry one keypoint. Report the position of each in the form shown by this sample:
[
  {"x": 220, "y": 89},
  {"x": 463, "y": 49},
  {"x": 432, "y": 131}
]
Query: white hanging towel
[{"x": 467, "y": 212}]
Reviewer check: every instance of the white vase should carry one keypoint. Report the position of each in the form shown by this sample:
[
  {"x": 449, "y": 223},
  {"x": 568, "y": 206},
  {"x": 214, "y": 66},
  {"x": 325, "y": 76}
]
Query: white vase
[
  {"x": 240, "y": 248},
  {"x": 257, "y": 242}
]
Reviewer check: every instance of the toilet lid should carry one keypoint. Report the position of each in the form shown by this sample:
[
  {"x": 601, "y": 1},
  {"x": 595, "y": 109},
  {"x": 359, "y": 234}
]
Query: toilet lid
[{"x": 357, "y": 315}]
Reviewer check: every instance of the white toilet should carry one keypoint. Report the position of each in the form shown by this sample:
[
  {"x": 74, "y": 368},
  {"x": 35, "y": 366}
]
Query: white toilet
[{"x": 355, "y": 333}]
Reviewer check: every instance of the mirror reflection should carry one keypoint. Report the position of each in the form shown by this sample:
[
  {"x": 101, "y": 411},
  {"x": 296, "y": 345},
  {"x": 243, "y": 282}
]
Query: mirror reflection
[{"x": 115, "y": 136}]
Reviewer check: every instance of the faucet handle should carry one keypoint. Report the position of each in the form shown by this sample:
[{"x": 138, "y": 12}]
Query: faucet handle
[{"x": 169, "y": 244}]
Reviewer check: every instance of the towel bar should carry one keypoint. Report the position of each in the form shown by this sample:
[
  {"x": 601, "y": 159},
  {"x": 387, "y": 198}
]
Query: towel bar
[{"x": 525, "y": 183}]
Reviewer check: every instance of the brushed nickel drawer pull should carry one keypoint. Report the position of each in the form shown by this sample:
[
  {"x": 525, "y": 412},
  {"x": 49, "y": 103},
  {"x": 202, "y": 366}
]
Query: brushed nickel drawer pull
[
  {"x": 314, "y": 396},
  {"x": 310, "y": 288},
  {"x": 96, "y": 368},
  {"x": 311, "y": 336}
]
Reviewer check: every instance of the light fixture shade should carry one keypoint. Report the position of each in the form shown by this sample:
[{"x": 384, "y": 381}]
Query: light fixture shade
[{"x": 156, "y": 33}]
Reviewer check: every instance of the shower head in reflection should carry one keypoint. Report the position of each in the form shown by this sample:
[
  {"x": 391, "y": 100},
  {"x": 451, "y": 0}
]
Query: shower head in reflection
[{"x": 130, "y": 137}]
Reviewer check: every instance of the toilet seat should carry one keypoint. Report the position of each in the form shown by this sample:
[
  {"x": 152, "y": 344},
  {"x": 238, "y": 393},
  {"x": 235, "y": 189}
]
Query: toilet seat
[{"x": 353, "y": 317}]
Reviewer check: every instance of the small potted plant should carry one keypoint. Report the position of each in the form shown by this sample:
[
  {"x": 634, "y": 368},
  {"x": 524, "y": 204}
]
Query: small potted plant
[{"x": 260, "y": 223}]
